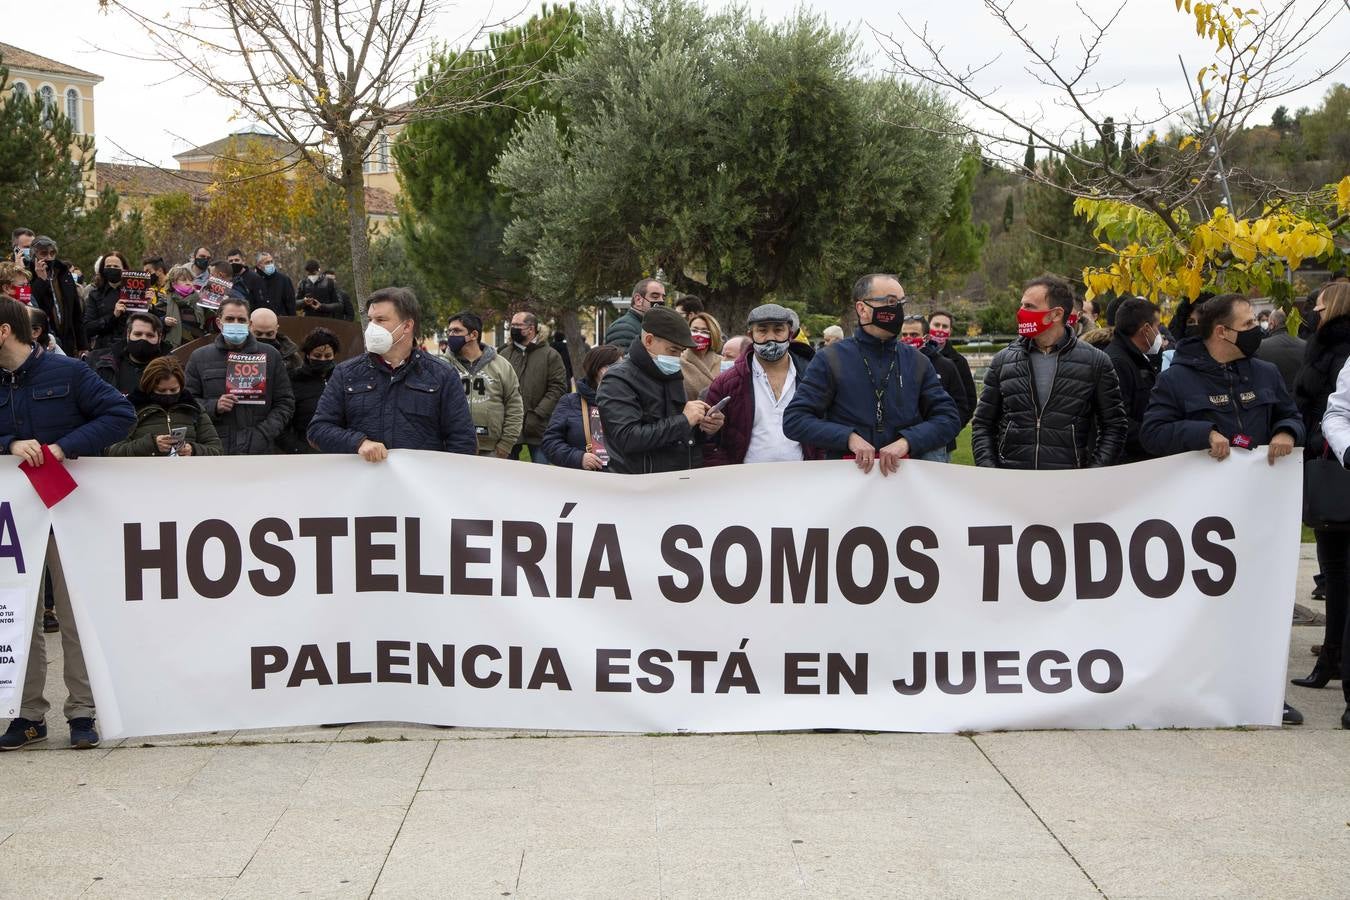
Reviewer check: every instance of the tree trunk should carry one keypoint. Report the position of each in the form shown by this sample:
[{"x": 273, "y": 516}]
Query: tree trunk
[
  {"x": 576, "y": 343},
  {"x": 353, "y": 185}
]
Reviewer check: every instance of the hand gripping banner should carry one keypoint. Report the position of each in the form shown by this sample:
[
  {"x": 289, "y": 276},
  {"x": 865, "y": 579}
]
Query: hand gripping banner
[{"x": 233, "y": 593}]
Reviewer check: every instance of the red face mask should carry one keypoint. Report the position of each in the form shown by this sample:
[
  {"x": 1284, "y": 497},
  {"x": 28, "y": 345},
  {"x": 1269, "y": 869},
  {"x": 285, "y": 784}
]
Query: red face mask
[
  {"x": 701, "y": 342},
  {"x": 24, "y": 294},
  {"x": 1031, "y": 322},
  {"x": 939, "y": 335},
  {"x": 914, "y": 340}
]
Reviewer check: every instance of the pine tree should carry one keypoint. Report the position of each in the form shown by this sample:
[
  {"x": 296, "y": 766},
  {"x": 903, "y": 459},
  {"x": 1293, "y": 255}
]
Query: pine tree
[
  {"x": 1029, "y": 161},
  {"x": 1008, "y": 213}
]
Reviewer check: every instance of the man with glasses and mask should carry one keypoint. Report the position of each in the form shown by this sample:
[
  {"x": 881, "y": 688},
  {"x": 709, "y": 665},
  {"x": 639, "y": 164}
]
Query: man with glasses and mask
[
  {"x": 913, "y": 331},
  {"x": 647, "y": 293},
  {"x": 1136, "y": 353},
  {"x": 1050, "y": 401},
  {"x": 1217, "y": 396},
  {"x": 870, "y": 397}
]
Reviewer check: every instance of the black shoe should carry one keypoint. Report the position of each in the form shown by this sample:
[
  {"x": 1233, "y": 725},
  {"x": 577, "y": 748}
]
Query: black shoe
[
  {"x": 1319, "y": 592},
  {"x": 21, "y": 733},
  {"x": 1292, "y": 716},
  {"x": 1323, "y": 672},
  {"x": 49, "y": 623},
  {"x": 83, "y": 735},
  {"x": 1345, "y": 718}
]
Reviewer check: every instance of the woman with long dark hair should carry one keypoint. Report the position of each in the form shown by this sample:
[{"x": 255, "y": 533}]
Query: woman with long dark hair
[
  {"x": 1328, "y": 350},
  {"x": 105, "y": 315}
]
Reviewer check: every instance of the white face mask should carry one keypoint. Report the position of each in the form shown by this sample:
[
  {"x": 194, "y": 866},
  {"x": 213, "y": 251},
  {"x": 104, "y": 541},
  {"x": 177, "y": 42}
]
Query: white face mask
[
  {"x": 1156, "y": 347},
  {"x": 727, "y": 364},
  {"x": 378, "y": 339},
  {"x": 313, "y": 279}
]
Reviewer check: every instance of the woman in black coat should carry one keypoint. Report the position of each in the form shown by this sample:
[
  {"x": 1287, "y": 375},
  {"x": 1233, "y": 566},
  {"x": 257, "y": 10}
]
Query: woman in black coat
[
  {"x": 319, "y": 349},
  {"x": 105, "y": 315},
  {"x": 1328, "y": 350},
  {"x": 564, "y": 441}
]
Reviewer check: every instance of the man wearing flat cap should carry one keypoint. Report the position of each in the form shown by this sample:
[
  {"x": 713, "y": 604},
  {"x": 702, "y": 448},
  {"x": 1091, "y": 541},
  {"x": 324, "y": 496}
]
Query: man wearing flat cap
[
  {"x": 648, "y": 425},
  {"x": 761, "y": 384}
]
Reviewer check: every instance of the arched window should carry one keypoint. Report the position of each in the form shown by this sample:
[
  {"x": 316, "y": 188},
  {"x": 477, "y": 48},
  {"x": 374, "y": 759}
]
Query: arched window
[
  {"x": 20, "y": 89},
  {"x": 384, "y": 152},
  {"x": 47, "y": 96},
  {"x": 73, "y": 109}
]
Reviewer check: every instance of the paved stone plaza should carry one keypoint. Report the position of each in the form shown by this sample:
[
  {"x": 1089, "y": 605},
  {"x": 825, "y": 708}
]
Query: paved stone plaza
[{"x": 396, "y": 810}]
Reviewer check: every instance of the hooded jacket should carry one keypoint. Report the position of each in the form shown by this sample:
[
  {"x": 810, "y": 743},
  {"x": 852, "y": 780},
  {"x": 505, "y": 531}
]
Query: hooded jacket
[
  {"x": 153, "y": 419},
  {"x": 1137, "y": 373},
  {"x": 838, "y": 398},
  {"x": 1080, "y": 425},
  {"x": 543, "y": 381},
  {"x": 247, "y": 429},
  {"x": 642, "y": 410},
  {"x": 493, "y": 392},
  {"x": 564, "y": 440},
  {"x": 729, "y": 446},
  {"x": 101, "y": 322},
  {"x": 1197, "y": 394},
  {"x": 61, "y": 300},
  {"x": 1328, "y": 350},
  {"x": 59, "y": 400},
  {"x": 418, "y": 406}
]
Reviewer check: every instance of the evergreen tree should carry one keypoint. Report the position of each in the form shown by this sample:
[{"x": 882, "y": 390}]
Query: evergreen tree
[{"x": 954, "y": 244}]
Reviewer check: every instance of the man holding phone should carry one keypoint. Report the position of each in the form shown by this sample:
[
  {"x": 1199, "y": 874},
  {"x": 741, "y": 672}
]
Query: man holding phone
[
  {"x": 756, "y": 391},
  {"x": 649, "y": 426}
]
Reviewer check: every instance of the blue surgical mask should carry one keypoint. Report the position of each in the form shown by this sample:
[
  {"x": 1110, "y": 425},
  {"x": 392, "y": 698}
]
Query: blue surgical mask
[
  {"x": 234, "y": 332},
  {"x": 270, "y": 269},
  {"x": 727, "y": 364},
  {"x": 669, "y": 365}
]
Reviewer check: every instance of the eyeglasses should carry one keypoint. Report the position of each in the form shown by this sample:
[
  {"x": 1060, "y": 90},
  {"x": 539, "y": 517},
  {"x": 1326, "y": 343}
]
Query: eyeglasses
[
  {"x": 888, "y": 300},
  {"x": 913, "y": 318}
]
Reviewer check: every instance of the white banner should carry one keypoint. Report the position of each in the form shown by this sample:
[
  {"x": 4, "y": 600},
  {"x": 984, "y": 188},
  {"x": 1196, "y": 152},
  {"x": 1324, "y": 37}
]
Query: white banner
[
  {"x": 242, "y": 593},
  {"x": 25, "y": 526}
]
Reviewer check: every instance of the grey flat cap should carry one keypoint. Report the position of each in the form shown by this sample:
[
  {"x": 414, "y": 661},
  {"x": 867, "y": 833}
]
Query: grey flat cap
[{"x": 770, "y": 312}]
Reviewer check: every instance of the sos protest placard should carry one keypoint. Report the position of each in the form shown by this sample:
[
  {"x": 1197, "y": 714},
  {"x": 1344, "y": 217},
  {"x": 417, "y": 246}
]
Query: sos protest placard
[
  {"x": 135, "y": 291},
  {"x": 478, "y": 592},
  {"x": 246, "y": 377}
]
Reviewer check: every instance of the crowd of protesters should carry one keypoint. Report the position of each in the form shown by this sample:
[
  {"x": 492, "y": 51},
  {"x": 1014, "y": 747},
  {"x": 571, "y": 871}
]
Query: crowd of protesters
[{"x": 667, "y": 389}]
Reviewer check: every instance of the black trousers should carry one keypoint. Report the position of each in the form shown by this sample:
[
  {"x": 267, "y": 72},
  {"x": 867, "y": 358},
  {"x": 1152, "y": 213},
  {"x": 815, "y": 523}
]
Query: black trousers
[{"x": 1333, "y": 549}]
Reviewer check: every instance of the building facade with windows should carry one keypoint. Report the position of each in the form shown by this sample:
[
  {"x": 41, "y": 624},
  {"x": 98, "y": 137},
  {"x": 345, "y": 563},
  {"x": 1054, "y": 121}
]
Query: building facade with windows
[{"x": 60, "y": 87}]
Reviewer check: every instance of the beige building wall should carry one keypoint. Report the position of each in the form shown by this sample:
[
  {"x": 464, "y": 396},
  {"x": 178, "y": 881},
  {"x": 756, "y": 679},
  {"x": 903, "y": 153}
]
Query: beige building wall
[{"x": 71, "y": 95}]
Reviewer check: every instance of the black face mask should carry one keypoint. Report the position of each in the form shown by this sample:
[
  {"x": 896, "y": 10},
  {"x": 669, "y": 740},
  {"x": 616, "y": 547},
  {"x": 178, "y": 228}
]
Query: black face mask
[
  {"x": 111, "y": 275},
  {"x": 202, "y": 262},
  {"x": 271, "y": 341},
  {"x": 143, "y": 350},
  {"x": 517, "y": 335},
  {"x": 1313, "y": 318},
  {"x": 321, "y": 366},
  {"x": 237, "y": 268},
  {"x": 168, "y": 401},
  {"x": 1249, "y": 341},
  {"x": 888, "y": 318},
  {"x": 154, "y": 278}
]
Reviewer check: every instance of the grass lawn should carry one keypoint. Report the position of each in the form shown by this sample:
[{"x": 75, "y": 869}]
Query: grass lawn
[{"x": 962, "y": 456}]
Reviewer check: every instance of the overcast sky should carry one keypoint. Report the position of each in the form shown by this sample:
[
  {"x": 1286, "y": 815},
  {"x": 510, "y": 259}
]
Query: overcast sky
[{"x": 144, "y": 112}]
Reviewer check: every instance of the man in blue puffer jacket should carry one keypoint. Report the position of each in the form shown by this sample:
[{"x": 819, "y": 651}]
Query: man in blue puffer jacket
[
  {"x": 870, "y": 396},
  {"x": 54, "y": 401},
  {"x": 395, "y": 396}
]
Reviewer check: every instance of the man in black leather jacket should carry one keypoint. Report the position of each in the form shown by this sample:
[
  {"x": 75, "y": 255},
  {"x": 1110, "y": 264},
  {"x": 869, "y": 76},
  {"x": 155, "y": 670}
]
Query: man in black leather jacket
[
  {"x": 649, "y": 425},
  {"x": 1050, "y": 401}
]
